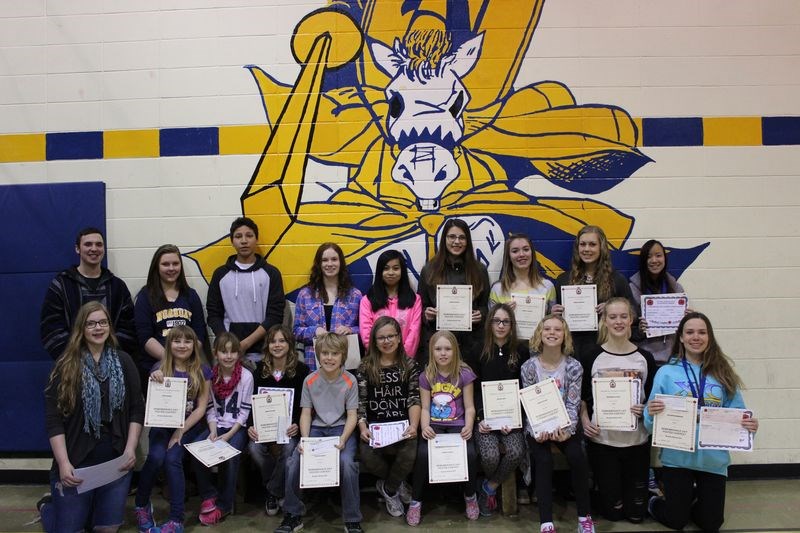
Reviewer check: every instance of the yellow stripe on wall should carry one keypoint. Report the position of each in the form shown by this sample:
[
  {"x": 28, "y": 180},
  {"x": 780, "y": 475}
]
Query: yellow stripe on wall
[
  {"x": 732, "y": 131},
  {"x": 25, "y": 147},
  {"x": 242, "y": 139},
  {"x": 130, "y": 143}
]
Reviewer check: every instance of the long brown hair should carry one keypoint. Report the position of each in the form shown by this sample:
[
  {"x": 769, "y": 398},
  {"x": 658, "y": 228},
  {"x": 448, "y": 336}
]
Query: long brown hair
[
  {"x": 197, "y": 382},
  {"x": 602, "y": 329},
  {"x": 371, "y": 364},
  {"x": 488, "y": 336},
  {"x": 220, "y": 343},
  {"x": 316, "y": 279},
  {"x": 437, "y": 267},
  {"x": 290, "y": 367},
  {"x": 603, "y": 277},
  {"x": 507, "y": 275},
  {"x": 155, "y": 292},
  {"x": 715, "y": 363},
  {"x": 69, "y": 367}
]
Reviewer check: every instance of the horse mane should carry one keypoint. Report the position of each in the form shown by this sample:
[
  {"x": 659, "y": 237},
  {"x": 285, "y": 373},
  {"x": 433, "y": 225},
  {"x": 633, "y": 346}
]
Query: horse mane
[{"x": 424, "y": 53}]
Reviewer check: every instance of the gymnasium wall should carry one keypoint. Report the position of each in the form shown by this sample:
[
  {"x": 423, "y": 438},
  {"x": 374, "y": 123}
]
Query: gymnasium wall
[{"x": 672, "y": 120}]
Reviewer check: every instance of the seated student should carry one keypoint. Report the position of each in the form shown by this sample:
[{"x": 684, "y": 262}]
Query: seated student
[
  {"x": 280, "y": 369},
  {"x": 329, "y": 405},
  {"x": 388, "y": 391}
]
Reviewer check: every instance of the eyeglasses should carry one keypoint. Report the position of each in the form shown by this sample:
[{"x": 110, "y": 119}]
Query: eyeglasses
[
  {"x": 387, "y": 338},
  {"x": 91, "y": 324},
  {"x": 456, "y": 238},
  {"x": 501, "y": 322}
]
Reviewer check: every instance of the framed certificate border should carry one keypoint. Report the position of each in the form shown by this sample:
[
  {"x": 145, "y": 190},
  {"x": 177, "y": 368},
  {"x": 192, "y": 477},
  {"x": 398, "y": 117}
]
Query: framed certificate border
[
  {"x": 547, "y": 387},
  {"x": 689, "y": 419},
  {"x": 268, "y": 398},
  {"x": 507, "y": 388},
  {"x": 458, "y": 319},
  {"x": 581, "y": 319},
  {"x": 746, "y": 447},
  {"x": 176, "y": 388},
  {"x": 627, "y": 422},
  {"x": 331, "y": 456},
  {"x": 434, "y": 476}
]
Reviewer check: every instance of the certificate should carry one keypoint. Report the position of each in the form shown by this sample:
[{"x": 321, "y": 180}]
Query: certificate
[
  {"x": 166, "y": 403},
  {"x": 529, "y": 312},
  {"x": 544, "y": 406},
  {"x": 289, "y": 395},
  {"x": 387, "y": 433},
  {"x": 447, "y": 458},
  {"x": 663, "y": 312},
  {"x": 99, "y": 475},
  {"x": 501, "y": 404},
  {"x": 580, "y": 302},
  {"x": 212, "y": 453},
  {"x": 613, "y": 399},
  {"x": 721, "y": 429},
  {"x": 267, "y": 409},
  {"x": 353, "y": 352},
  {"x": 319, "y": 462},
  {"x": 676, "y": 425},
  {"x": 454, "y": 307}
]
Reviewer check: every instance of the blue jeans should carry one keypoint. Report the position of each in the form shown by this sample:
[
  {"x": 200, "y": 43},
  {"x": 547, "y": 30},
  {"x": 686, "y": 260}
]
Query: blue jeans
[
  {"x": 348, "y": 477},
  {"x": 273, "y": 470},
  {"x": 172, "y": 461},
  {"x": 69, "y": 512},
  {"x": 228, "y": 471}
]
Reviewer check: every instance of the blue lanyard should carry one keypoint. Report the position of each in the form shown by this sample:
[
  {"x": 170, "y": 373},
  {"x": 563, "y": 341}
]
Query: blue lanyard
[{"x": 701, "y": 386}]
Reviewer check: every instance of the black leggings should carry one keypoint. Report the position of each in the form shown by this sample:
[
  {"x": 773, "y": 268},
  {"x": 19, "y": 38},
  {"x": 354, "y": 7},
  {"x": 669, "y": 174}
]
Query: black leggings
[
  {"x": 572, "y": 448},
  {"x": 621, "y": 477},
  {"x": 421, "y": 466},
  {"x": 691, "y": 494}
]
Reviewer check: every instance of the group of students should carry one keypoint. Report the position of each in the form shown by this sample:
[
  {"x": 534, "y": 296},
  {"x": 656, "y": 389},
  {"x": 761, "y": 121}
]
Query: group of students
[{"x": 409, "y": 371}]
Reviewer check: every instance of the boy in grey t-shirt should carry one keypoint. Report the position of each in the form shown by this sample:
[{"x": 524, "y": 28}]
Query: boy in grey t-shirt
[{"x": 329, "y": 403}]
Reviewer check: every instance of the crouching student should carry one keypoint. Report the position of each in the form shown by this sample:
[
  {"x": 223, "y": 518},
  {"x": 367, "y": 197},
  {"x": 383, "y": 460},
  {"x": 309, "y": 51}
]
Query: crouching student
[{"x": 329, "y": 404}]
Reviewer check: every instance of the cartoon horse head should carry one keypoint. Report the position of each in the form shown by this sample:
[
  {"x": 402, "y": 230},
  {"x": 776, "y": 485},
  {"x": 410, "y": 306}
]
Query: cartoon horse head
[{"x": 426, "y": 99}]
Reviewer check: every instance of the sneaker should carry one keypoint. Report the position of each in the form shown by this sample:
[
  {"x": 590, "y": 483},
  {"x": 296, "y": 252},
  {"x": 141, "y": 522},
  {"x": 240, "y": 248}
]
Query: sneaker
[
  {"x": 208, "y": 505},
  {"x": 271, "y": 506},
  {"x": 414, "y": 513},
  {"x": 393, "y": 504},
  {"x": 472, "y": 512},
  {"x": 215, "y": 516},
  {"x": 168, "y": 527},
  {"x": 650, "y": 504},
  {"x": 144, "y": 517},
  {"x": 483, "y": 501},
  {"x": 652, "y": 484},
  {"x": 290, "y": 524},
  {"x": 45, "y": 499},
  {"x": 548, "y": 527},
  {"x": 405, "y": 492},
  {"x": 353, "y": 527},
  {"x": 586, "y": 525}
]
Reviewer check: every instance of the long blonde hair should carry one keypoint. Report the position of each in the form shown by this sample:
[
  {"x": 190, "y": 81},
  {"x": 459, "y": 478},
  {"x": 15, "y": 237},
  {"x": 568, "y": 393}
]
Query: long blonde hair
[
  {"x": 602, "y": 330},
  {"x": 69, "y": 367},
  {"x": 603, "y": 277},
  {"x": 456, "y": 364},
  {"x": 194, "y": 370},
  {"x": 536, "y": 344}
]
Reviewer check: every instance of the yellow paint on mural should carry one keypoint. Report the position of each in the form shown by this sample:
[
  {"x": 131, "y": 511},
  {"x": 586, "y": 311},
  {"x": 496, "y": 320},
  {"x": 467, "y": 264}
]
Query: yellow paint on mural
[
  {"x": 732, "y": 131},
  {"x": 122, "y": 144},
  {"x": 26, "y": 147},
  {"x": 242, "y": 139}
]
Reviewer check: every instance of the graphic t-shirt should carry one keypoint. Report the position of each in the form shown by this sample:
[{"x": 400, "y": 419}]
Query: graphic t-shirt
[{"x": 447, "y": 400}]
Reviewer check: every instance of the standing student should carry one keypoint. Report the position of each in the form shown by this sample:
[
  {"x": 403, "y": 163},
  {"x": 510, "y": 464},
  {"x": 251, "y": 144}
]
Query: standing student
[
  {"x": 454, "y": 264},
  {"x": 328, "y": 303},
  {"x": 551, "y": 348},
  {"x": 391, "y": 295},
  {"x": 654, "y": 278},
  {"x": 520, "y": 274},
  {"x": 164, "y": 302},
  {"x": 181, "y": 360},
  {"x": 501, "y": 359},
  {"x": 329, "y": 405},
  {"x": 591, "y": 265},
  {"x": 94, "y": 413},
  {"x": 245, "y": 295},
  {"x": 279, "y": 369},
  {"x": 446, "y": 395},
  {"x": 228, "y": 411},
  {"x": 619, "y": 459},
  {"x": 388, "y": 391},
  {"x": 694, "y": 482},
  {"x": 88, "y": 281}
]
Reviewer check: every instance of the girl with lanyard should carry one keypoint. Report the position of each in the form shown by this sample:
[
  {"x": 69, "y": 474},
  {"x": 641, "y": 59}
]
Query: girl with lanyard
[
  {"x": 520, "y": 274},
  {"x": 454, "y": 264},
  {"x": 694, "y": 482},
  {"x": 328, "y": 303},
  {"x": 654, "y": 278},
  {"x": 93, "y": 413},
  {"x": 391, "y": 295}
]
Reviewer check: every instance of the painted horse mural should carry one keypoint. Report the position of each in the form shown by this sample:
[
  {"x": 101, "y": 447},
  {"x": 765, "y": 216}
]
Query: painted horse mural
[{"x": 407, "y": 113}]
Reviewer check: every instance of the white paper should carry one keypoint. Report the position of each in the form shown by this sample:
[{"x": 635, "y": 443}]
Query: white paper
[
  {"x": 580, "y": 302},
  {"x": 210, "y": 452},
  {"x": 545, "y": 407},
  {"x": 289, "y": 394},
  {"x": 528, "y": 312},
  {"x": 447, "y": 458},
  {"x": 501, "y": 400},
  {"x": 721, "y": 429},
  {"x": 613, "y": 399},
  {"x": 319, "y": 462},
  {"x": 387, "y": 433},
  {"x": 454, "y": 307},
  {"x": 676, "y": 428},
  {"x": 283, "y": 427},
  {"x": 353, "y": 353},
  {"x": 100, "y": 475},
  {"x": 663, "y": 312},
  {"x": 498, "y": 422},
  {"x": 267, "y": 408},
  {"x": 166, "y": 403}
]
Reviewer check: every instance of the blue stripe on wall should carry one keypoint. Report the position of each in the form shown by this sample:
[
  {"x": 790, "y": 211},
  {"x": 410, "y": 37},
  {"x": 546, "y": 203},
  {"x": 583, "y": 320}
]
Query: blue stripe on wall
[
  {"x": 74, "y": 145},
  {"x": 780, "y": 130},
  {"x": 189, "y": 141},
  {"x": 672, "y": 131}
]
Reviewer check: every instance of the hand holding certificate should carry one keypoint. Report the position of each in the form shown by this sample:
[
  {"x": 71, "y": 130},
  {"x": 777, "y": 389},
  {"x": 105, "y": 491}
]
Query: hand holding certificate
[
  {"x": 210, "y": 452},
  {"x": 268, "y": 408},
  {"x": 501, "y": 404},
  {"x": 544, "y": 406},
  {"x": 100, "y": 475},
  {"x": 675, "y": 426},
  {"x": 447, "y": 458},
  {"x": 580, "y": 303},
  {"x": 613, "y": 399},
  {"x": 166, "y": 403},
  {"x": 721, "y": 429},
  {"x": 454, "y": 307},
  {"x": 663, "y": 312},
  {"x": 319, "y": 462},
  {"x": 528, "y": 312}
]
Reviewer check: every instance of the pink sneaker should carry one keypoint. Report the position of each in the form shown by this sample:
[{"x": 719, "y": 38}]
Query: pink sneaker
[
  {"x": 548, "y": 527},
  {"x": 208, "y": 505},
  {"x": 211, "y": 518},
  {"x": 414, "y": 513},
  {"x": 473, "y": 511},
  {"x": 586, "y": 525}
]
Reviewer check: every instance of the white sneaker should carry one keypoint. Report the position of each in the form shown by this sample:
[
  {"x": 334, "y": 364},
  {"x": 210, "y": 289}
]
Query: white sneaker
[
  {"x": 393, "y": 504},
  {"x": 586, "y": 525},
  {"x": 405, "y": 492}
]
